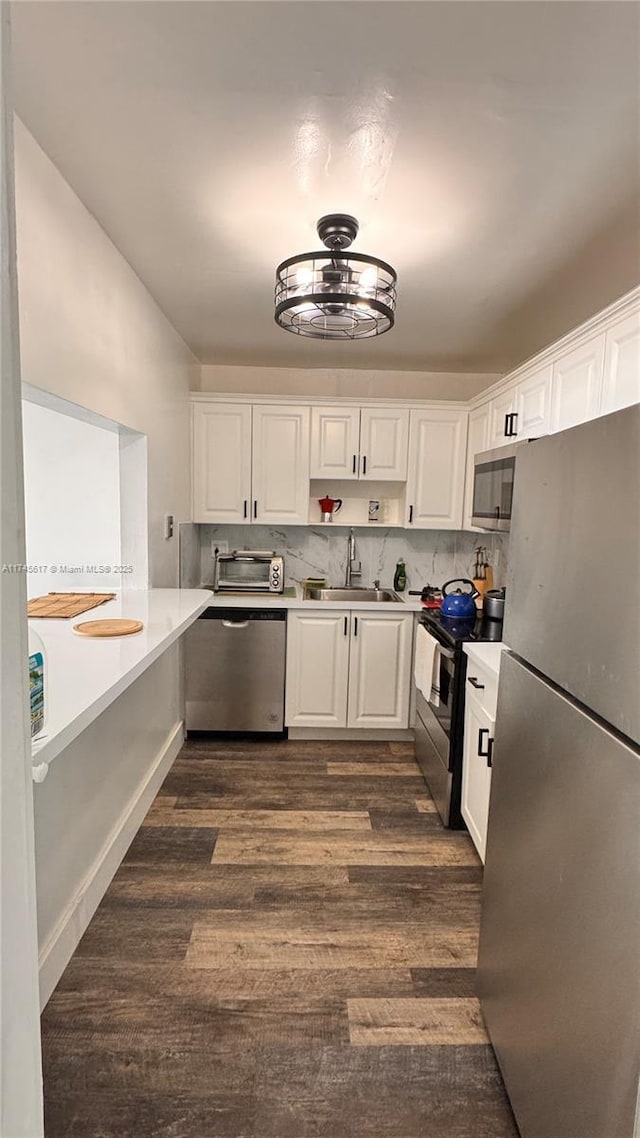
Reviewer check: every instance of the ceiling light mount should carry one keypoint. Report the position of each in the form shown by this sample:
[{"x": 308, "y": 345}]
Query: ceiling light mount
[
  {"x": 335, "y": 295},
  {"x": 337, "y": 230}
]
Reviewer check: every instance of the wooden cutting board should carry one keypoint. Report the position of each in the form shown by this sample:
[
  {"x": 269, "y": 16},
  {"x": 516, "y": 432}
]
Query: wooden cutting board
[
  {"x": 118, "y": 626},
  {"x": 66, "y": 604}
]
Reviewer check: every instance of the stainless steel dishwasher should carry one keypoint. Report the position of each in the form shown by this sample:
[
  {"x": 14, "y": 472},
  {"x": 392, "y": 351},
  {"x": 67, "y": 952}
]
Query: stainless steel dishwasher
[{"x": 234, "y": 670}]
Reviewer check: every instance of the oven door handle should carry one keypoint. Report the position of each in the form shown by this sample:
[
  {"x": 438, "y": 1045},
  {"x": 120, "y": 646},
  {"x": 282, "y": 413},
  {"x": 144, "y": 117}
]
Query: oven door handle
[{"x": 446, "y": 652}]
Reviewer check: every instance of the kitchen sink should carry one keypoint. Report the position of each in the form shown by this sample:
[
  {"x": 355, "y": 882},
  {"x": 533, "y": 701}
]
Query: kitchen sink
[{"x": 351, "y": 594}]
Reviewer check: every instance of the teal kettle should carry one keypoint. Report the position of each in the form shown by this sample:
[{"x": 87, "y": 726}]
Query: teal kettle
[{"x": 456, "y": 603}]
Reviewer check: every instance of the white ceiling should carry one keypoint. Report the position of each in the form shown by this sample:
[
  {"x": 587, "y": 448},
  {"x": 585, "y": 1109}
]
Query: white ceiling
[{"x": 490, "y": 151}]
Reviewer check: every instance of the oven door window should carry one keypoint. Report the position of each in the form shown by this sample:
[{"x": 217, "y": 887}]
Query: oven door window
[
  {"x": 244, "y": 574},
  {"x": 444, "y": 710},
  {"x": 493, "y": 489}
]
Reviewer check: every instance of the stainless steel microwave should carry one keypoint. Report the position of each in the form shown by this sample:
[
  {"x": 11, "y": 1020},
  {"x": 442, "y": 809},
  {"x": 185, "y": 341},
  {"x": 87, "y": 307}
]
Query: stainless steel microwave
[
  {"x": 249, "y": 571},
  {"x": 493, "y": 476}
]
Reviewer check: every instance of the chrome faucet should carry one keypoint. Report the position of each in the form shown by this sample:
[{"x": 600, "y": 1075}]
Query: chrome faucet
[{"x": 354, "y": 568}]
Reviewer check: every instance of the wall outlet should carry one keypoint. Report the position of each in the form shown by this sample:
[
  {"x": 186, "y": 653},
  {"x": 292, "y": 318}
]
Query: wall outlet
[
  {"x": 168, "y": 526},
  {"x": 221, "y": 546}
]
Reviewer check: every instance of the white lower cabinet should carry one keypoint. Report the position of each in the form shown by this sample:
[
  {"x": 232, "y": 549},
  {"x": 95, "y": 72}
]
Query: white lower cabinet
[
  {"x": 481, "y": 699},
  {"x": 476, "y": 771},
  {"x": 348, "y": 669}
]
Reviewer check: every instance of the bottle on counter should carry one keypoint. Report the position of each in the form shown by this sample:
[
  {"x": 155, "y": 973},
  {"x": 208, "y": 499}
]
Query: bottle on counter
[
  {"x": 37, "y": 682},
  {"x": 400, "y": 577}
]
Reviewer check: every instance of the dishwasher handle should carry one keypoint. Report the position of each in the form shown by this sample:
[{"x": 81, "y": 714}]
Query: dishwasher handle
[{"x": 235, "y": 623}]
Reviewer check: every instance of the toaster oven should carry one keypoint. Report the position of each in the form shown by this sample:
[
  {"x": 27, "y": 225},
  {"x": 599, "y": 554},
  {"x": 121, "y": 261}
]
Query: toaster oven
[{"x": 249, "y": 571}]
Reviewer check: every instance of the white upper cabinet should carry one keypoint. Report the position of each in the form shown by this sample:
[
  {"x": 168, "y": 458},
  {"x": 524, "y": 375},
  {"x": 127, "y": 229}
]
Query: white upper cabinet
[
  {"x": 576, "y": 384},
  {"x": 280, "y": 482},
  {"x": 221, "y": 462},
  {"x": 522, "y": 411},
  {"x": 335, "y": 442},
  {"x": 380, "y": 670},
  {"x": 502, "y": 407},
  {"x": 384, "y": 440},
  {"x": 533, "y": 403},
  {"x": 621, "y": 382},
  {"x": 437, "y": 452},
  {"x": 349, "y": 443},
  {"x": 477, "y": 442}
]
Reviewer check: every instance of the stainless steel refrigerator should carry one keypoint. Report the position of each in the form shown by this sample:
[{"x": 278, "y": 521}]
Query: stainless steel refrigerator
[{"x": 559, "y": 962}]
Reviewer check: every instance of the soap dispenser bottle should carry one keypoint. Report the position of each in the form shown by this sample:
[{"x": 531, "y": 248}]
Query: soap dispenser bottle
[{"x": 400, "y": 577}]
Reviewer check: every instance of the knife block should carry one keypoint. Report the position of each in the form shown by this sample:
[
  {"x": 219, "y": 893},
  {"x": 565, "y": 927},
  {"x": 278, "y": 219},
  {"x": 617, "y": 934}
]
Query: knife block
[{"x": 483, "y": 585}]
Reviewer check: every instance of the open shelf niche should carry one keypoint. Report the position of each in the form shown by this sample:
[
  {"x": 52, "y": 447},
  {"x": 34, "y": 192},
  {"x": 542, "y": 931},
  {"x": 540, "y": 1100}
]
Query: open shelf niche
[{"x": 356, "y": 496}]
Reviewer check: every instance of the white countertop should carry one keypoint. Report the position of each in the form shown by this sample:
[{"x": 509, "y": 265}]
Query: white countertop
[
  {"x": 276, "y": 600},
  {"x": 84, "y": 675},
  {"x": 487, "y": 653}
]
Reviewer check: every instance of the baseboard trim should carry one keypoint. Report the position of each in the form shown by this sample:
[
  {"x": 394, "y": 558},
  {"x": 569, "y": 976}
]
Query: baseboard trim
[
  {"x": 63, "y": 941},
  {"x": 355, "y": 734}
]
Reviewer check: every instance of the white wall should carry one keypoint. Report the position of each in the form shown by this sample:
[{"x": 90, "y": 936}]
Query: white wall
[
  {"x": 349, "y": 382},
  {"x": 92, "y": 802},
  {"x": 91, "y": 333},
  {"x": 72, "y": 501},
  {"x": 20, "y": 1065}
]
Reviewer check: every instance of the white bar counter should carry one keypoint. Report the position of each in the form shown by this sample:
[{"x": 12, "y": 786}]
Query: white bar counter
[{"x": 85, "y": 674}]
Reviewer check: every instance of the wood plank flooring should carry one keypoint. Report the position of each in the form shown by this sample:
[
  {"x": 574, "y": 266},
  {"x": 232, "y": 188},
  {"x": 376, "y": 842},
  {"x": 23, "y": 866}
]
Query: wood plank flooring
[{"x": 287, "y": 951}]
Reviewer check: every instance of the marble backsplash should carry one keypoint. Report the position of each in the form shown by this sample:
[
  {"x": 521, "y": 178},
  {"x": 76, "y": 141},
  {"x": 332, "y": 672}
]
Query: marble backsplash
[{"x": 431, "y": 556}]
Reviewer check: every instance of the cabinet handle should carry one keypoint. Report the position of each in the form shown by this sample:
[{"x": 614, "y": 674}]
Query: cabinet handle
[
  {"x": 255, "y": 507},
  {"x": 346, "y": 624},
  {"x": 488, "y": 754},
  {"x": 364, "y": 464},
  {"x": 510, "y": 429},
  {"x": 246, "y": 508},
  {"x": 410, "y": 514},
  {"x": 355, "y": 463},
  {"x": 473, "y": 680},
  {"x": 355, "y": 625}
]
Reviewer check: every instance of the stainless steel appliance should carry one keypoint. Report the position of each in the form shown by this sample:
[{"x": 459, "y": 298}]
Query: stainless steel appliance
[
  {"x": 493, "y": 478},
  {"x": 249, "y": 570},
  {"x": 439, "y": 731},
  {"x": 493, "y": 604},
  {"x": 234, "y": 667},
  {"x": 559, "y": 964}
]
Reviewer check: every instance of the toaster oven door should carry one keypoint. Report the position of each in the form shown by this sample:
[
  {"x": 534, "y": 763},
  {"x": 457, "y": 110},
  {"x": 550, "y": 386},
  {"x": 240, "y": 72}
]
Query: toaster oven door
[{"x": 242, "y": 574}]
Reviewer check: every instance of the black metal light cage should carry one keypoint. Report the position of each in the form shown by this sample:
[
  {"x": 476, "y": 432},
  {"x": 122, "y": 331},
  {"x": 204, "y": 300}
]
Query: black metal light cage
[{"x": 335, "y": 295}]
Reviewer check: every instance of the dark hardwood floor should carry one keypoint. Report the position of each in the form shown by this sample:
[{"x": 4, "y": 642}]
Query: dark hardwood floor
[{"x": 287, "y": 951}]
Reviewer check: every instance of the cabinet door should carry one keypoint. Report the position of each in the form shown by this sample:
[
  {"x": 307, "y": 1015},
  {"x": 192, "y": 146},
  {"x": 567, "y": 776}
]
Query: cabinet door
[
  {"x": 380, "y": 669},
  {"x": 281, "y": 465},
  {"x": 576, "y": 385},
  {"x": 533, "y": 399},
  {"x": 621, "y": 383},
  {"x": 317, "y": 669},
  {"x": 476, "y": 773},
  {"x": 221, "y": 462},
  {"x": 335, "y": 442},
  {"x": 501, "y": 406},
  {"x": 437, "y": 451},
  {"x": 384, "y": 442},
  {"x": 477, "y": 441}
]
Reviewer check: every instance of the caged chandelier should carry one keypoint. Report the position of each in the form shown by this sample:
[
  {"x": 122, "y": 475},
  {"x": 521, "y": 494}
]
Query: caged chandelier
[{"x": 330, "y": 295}]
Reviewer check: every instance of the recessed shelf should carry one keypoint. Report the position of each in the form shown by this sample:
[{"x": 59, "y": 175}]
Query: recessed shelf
[{"x": 355, "y": 502}]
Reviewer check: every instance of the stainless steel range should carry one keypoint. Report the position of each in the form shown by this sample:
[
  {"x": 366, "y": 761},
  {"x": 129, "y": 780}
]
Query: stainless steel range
[{"x": 440, "y": 719}]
